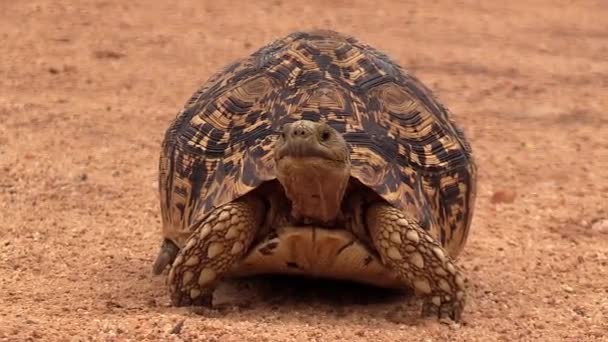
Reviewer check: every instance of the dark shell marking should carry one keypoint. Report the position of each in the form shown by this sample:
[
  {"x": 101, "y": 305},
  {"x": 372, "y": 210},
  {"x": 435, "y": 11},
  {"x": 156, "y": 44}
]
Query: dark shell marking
[{"x": 404, "y": 144}]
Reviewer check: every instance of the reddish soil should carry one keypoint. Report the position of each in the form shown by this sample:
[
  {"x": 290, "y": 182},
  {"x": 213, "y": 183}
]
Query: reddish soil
[{"x": 88, "y": 88}]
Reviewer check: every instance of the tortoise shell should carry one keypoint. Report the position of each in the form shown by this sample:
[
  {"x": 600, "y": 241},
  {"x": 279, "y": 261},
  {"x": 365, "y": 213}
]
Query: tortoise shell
[{"x": 403, "y": 143}]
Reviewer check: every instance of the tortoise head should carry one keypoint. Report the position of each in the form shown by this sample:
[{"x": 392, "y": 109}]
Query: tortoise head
[{"x": 313, "y": 166}]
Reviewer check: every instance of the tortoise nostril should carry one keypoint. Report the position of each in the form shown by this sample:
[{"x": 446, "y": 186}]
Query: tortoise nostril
[{"x": 299, "y": 132}]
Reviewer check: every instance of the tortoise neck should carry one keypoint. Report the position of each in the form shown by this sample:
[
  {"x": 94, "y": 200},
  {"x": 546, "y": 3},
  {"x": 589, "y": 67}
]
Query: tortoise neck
[{"x": 314, "y": 186}]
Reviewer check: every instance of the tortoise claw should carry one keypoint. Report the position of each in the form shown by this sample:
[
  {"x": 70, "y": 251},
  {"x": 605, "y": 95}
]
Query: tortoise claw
[
  {"x": 166, "y": 256},
  {"x": 184, "y": 299},
  {"x": 445, "y": 310}
]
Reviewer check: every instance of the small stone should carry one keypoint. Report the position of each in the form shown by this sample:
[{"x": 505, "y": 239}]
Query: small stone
[
  {"x": 108, "y": 54},
  {"x": 177, "y": 329},
  {"x": 579, "y": 310},
  {"x": 503, "y": 196},
  {"x": 551, "y": 301},
  {"x": 568, "y": 289},
  {"x": 538, "y": 325},
  {"x": 580, "y": 259},
  {"x": 600, "y": 226},
  {"x": 454, "y": 326},
  {"x": 112, "y": 304}
]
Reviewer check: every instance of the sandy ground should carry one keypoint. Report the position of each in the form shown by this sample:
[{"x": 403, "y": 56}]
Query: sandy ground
[{"x": 87, "y": 90}]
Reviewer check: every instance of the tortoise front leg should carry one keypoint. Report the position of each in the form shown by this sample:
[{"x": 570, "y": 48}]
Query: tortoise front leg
[
  {"x": 216, "y": 244},
  {"x": 419, "y": 259}
]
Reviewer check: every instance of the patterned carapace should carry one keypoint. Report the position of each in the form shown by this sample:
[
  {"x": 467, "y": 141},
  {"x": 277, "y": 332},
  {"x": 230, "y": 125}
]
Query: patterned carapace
[{"x": 403, "y": 144}]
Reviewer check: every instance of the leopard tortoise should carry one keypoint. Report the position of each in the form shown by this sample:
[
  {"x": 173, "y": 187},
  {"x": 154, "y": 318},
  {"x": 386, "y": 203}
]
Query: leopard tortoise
[{"x": 317, "y": 155}]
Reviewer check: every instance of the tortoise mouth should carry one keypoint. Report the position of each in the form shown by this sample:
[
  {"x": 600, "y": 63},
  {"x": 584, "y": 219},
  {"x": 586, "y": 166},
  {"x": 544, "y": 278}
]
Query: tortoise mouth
[{"x": 307, "y": 149}]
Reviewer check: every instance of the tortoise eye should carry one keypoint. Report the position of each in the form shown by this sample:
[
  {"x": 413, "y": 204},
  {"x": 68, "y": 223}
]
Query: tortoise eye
[{"x": 325, "y": 136}]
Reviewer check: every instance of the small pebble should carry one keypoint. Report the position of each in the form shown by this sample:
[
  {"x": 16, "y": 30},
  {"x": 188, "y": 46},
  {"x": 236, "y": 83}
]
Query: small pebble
[
  {"x": 600, "y": 226},
  {"x": 503, "y": 196},
  {"x": 177, "y": 329}
]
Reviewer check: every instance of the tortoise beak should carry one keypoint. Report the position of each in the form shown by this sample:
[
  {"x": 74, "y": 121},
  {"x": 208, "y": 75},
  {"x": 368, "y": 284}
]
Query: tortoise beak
[{"x": 300, "y": 148}]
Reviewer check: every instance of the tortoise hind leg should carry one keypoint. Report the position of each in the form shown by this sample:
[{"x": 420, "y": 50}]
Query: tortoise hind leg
[
  {"x": 419, "y": 259},
  {"x": 166, "y": 256},
  {"x": 217, "y": 243}
]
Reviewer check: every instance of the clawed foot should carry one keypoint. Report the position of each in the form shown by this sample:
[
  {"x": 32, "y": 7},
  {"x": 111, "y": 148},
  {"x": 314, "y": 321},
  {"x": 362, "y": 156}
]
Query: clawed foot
[
  {"x": 419, "y": 259},
  {"x": 215, "y": 245}
]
